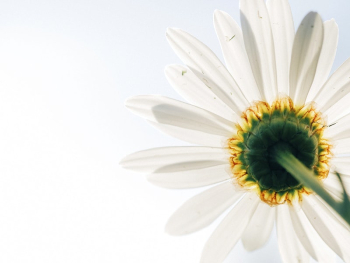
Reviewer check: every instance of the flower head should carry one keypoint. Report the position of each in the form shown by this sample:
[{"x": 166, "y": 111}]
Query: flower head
[
  {"x": 273, "y": 97},
  {"x": 266, "y": 130}
]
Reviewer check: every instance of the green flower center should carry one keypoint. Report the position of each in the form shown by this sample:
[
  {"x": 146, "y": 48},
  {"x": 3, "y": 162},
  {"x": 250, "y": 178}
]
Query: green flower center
[{"x": 265, "y": 132}]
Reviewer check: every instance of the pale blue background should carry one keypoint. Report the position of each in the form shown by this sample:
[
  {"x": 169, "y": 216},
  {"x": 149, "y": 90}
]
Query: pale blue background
[{"x": 65, "y": 69}]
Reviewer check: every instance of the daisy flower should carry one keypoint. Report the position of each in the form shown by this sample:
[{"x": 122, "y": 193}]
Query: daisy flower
[{"x": 273, "y": 96}]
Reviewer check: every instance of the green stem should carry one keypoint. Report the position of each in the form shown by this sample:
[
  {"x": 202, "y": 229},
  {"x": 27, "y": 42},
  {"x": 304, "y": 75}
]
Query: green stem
[{"x": 307, "y": 178}]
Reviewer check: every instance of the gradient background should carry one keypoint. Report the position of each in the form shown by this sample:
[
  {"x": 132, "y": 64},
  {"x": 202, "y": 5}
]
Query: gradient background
[{"x": 66, "y": 68}]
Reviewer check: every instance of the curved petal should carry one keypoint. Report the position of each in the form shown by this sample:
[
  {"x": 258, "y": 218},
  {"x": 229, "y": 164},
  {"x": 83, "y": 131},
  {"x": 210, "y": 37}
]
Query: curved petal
[
  {"x": 339, "y": 129},
  {"x": 305, "y": 55},
  {"x": 259, "y": 44},
  {"x": 203, "y": 209},
  {"x": 175, "y": 159},
  {"x": 191, "y": 178},
  {"x": 335, "y": 235},
  {"x": 208, "y": 68},
  {"x": 192, "y": 89},
  {"x": 232, "y": 45},
  {"x": 259, "y": 228},
  {"x": 283, "y": 34},
  {"x": 309, "y": 238},
  {"x": 230, "y": 230},
  {"x": 169, "y": 112},
  {"x": 337, "y": 86},
  {"x": 325, "y": 62},
  {"x": 289, "y": 246}
]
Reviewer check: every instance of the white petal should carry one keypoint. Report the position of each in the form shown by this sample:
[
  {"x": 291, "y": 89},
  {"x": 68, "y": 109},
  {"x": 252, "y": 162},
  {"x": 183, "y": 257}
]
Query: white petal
[
  {"x": 325, "y": 62},
  {"x": 339, "y": 129},
  {"x": 283, "y": 34},
  {"x": 259, "y": 228},
  {"x": 335, "y": 192},
  {"x": 341, "y": 164},
  {"x": 336, "y": 236},
  {"x": 208, "y": 68},
  {"x": 339, "y": 109},
  {"x": 337, "y": 86},
  {"x": 191, "y": 178},
  {"x": 305, "y": 55},
  {"x": 308, "y": 236},
  {"x": 334, "y": 187},
  {"x": 191, "y": 136},
  {"x": 175, "y": 159},
  {"x": 341, "y": 147},
  {"x": 229, "y": 231},
  {"x": 236, "y": 58},
  {"x": 334, "y": 178},
  {"x": 171, "y": 112},
  {"x": 259, "y": 44},
  {"x": 192, "y": 89},
  {"x": 333, "y": 214},
  {"x": 289, "y": 246},
  {"x": 203, "y": 209}
]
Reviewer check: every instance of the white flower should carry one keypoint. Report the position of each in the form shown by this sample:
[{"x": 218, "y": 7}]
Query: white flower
[{"x": 270, "y": 97}]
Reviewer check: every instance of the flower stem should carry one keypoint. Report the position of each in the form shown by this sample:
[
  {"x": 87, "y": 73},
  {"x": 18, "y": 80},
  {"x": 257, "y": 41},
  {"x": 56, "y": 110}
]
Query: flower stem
[{"x": 307, "y": 178}]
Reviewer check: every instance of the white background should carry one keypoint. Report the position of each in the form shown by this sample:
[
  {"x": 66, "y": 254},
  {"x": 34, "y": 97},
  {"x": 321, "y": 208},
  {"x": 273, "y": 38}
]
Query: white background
[{"x": 66, "y": 68}]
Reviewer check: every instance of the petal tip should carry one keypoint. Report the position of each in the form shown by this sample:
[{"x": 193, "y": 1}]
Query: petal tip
[
  {"x": 128, "y": 101},
  {"x": 169, "y": 229},
  {"x": 122, "y": 162},
  {"x": 313, "y": 14},
  {"x": 172, "y": 30},
  {"x": 217, "y": 12}
]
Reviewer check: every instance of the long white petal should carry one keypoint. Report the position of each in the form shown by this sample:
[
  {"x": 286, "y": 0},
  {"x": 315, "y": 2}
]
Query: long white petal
[
  {"x": 344, "y": 176},
  {"x": 330, "y": 211},
  {"x": 192, "y": 89},
  {"x": 337, "y": 86},
  {"x": 311, "y": 241},
  {"x": 283, "y": 34},
  {"x": 191, "y": 136},
  {"x": 341, "y": 164},
  {"x": 289, "y": 246},
  {"x": 203, "y": 209},
  {"x": 191, "y": 178},
  {"x": 339, "y": 109},
  {"x": 334, "y": 190},
  {"x": 259, "y": 44},
  {"x": 230, "y": 230},
  {"x": 341, "y": 147},
  {"x": 208, "y": 68},
  {"x": 339, "y": 129},
  {"x": 333, "y": 181},
  {"x": 333, "y": 233},
  {"x": 169, "y": 112},
  {"x": 325, "y": 62},
  {"x": 259, "y": 228},
  {"x": 236, "y": 58},
  {"x": 175, "y": 159},
  {"x": 305, "y": 55}
]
